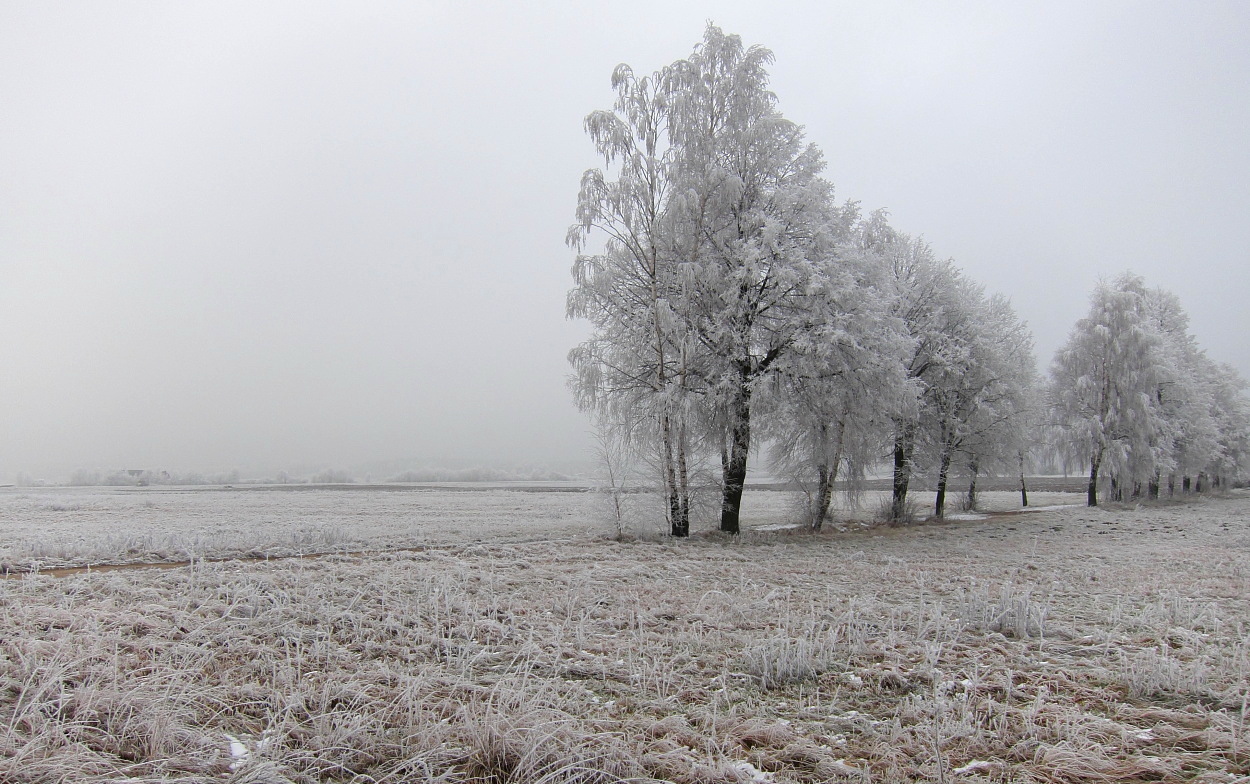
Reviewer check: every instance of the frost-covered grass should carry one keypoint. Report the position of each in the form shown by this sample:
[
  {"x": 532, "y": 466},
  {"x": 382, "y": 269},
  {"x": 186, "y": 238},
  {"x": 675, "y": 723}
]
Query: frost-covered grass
[
  {"x": 56, "y": 527},
  {"x": 64, "y": 527},
  {"x": 1062, "y": 646}
]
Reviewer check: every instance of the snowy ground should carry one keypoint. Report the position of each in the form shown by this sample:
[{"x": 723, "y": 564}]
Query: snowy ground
[
  {"x": 77, "y": 526},
  {"x": 1064, "y": 645},
  {"x": 57, "y": 527}
]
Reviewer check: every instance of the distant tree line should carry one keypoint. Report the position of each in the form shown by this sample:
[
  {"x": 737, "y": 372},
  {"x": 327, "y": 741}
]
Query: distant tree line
[
  {"x": 143, "y": 477},
  {"x": 327, "y": 476},
  {"x": 735, "y": 303}
]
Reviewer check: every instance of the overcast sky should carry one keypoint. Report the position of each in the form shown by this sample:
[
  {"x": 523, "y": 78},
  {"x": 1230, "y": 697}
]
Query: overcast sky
[{"x": 270, "y": 235}]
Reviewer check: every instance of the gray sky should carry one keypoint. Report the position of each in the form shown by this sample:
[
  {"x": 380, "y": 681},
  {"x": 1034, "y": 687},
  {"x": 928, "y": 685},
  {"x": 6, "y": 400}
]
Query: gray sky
[{"x": 263, "y": 235}]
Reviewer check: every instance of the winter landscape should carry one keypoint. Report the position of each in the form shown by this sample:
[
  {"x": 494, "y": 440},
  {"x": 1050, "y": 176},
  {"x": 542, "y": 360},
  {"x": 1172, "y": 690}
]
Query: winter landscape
[{"x": 768, "y": 489}]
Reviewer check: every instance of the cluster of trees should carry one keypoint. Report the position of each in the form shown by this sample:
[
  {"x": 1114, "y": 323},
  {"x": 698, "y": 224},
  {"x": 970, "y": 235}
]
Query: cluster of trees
[
  {"x": 732, "y": 295},
  {"x": 1132, "y": 398},
  {"x": 733, "y": 301}
]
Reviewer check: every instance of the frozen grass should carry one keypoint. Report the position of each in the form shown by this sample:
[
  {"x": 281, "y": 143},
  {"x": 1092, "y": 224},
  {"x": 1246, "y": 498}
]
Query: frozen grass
[
  {"x": 66, "y": 527},
  {"x": 61, "y": 527},
  {"x": 1108, "y": 645}
]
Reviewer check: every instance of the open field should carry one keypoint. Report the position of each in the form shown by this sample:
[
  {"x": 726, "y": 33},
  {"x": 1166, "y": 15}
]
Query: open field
[
  {"x": 52, "y": 527},
  {"x": 43, "y": 528},
  {"x": 1066, "y": 645}
]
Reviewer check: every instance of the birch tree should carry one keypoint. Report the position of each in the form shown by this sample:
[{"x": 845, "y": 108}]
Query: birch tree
[
  {"x": 1104, "y": 387},
  {"x": 1202, "y": 404},
  {"x": 756, "y": 222},
  {"x": 631, "y": 370},
  {"x": 1230, "y": 410},
  {"x": 1187, "y": 438}
]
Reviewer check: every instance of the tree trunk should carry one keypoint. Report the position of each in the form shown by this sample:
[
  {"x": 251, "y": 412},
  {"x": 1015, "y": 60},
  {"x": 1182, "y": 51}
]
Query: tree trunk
[
  {"x": 820, "y": 505},
  {"x": 974, "y": 468},
  {"x": 735, "y": 464},
  {"x": 1091, "y": 496},
  {"x": 903, "y": 446},
  {"x": 824, "y": 496},
  {"x": 1152, "y": 488},
  {"x": 944, "y": 464},
  {"x": 683, "y": 474},
  {"x": 677, "y": 527},
  {"x": 1185, "y": 484},
  {"x": 1024, "y": 490},
  {"x": 827, "y": 475},
  {"x": 683, "y": 480}
]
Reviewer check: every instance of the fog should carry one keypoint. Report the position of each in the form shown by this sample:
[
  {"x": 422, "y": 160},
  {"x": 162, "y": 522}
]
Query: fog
[{"x": 274, "y": 236}]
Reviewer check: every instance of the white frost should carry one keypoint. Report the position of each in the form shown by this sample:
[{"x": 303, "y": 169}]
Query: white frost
[
  {"x": 755, "y": 773},
  {"x": 974, "y": 766},
  {"x": 238, "y": 751}
]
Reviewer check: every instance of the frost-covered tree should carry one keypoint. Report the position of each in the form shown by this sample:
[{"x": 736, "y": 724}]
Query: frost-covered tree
[
  {"x": 999, "y": 425},
  {"x": 932, "y": 299},
  {"x": 1104, "y": 388},
  {"x": 1027, "y": 435},
  {"x": 716, "y": 225},
  {"x": 1136, "y": 399},
  {"x": 953, "y": 383},
  {"x": 632, "y": 370},
  {"x": 1230, "y": 411},
  {"x": 844, "y": 385},
  {"x": 755, "y": 224},
  {"x": 1202, "y": 404},
  {"x": 1187, "y": 437},
  {"x": 980, "y": 409}
]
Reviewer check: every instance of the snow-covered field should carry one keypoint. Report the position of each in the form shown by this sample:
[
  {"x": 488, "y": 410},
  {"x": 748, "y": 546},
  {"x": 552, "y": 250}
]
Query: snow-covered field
[
  {"x": 69, "y": 526},
  {"x": 79, "y": 526},
  {"x": 519, "y": 643}
]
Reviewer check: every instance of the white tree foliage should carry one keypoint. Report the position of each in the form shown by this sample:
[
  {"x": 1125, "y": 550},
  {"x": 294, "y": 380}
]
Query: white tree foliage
[
  {"x": 1133, "y": 398},
  {"x": 845, "y": 382},
  {"x": 632, "y": 371},
  {"x": 1230, "y": 412},
  {"x": 718, "y": 227},
  {"x": 979, "y": 402},
  {"x": 757, "y": 225},
  {"x": 932, "y": 300},
  {"x": 1104, "y": 388}
]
